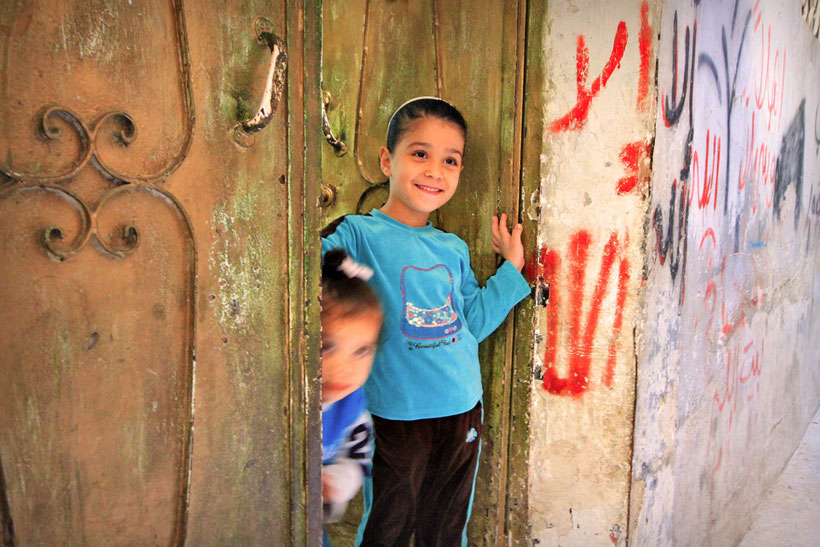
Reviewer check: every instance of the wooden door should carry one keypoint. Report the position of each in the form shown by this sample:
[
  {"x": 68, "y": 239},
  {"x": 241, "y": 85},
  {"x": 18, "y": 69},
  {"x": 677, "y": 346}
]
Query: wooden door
[
  {"x": 156, "y": 386},
  {"x": 375, "y": 55}
]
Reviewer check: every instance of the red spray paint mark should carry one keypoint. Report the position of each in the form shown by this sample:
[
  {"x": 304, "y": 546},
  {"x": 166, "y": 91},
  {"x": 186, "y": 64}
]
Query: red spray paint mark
[
  {"x": 645, "y": 46},
  {"x": 632, "y": 154},
  {"x": 575, "y": 118},
  {"x": 612, "y": 358},
  {"x": 709, "y": 189},
  {"x": 582, "y": 337},
  {"x": 737, "y": 374},
  {"x": 766, "y": 87},
  {"x": 534, "y": 266}
]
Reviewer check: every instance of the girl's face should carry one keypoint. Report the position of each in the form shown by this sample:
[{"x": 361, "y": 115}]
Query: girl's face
[
  {"x": 348, "y": 348},
  {"x": 423, "y": 169}
]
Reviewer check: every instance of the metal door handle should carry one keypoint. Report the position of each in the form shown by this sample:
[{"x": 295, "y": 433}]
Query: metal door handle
[
  {"x": 337, "y": 144},
  {"x": 275, "y": 82}
]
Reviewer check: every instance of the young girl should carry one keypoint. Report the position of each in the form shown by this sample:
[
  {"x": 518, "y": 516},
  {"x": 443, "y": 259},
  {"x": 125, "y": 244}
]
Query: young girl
[
  {"x": 351, "y": 321},
  {"x": 425, "y": 388}
]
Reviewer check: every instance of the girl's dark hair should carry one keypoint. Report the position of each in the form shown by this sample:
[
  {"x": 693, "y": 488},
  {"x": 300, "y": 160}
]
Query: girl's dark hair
[
  {"x": 416, "y": 109},
  {"x": 342, "y": 294}
]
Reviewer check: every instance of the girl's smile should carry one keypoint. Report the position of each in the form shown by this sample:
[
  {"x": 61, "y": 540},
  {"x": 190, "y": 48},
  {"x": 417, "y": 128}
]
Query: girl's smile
[{"x": 423, "y": 169}]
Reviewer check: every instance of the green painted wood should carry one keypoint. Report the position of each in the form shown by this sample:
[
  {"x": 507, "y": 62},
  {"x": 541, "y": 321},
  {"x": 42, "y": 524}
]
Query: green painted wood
[
  {"x": 517, "y": 511},
  {"x": 305, "y": 146}
]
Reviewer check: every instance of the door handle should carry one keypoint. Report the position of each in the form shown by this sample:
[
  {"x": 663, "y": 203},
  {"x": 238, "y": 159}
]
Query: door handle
[
  {"x": 338, "y": 146},
  {"x": 275, "y": 82}
]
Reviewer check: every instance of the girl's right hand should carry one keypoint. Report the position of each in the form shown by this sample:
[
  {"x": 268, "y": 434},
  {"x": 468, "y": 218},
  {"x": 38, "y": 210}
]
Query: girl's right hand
[{"x": 508, "y": 244}]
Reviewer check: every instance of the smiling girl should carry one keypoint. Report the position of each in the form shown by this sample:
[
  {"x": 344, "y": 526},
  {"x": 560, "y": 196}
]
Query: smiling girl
[{"x": 425, "y": 390}]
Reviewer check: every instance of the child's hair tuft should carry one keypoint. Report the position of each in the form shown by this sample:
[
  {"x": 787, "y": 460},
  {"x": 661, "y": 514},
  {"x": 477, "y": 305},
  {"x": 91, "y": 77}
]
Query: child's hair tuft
[
  {"x": 421, "y": 107},
  {"x": 343, "y": 295}
]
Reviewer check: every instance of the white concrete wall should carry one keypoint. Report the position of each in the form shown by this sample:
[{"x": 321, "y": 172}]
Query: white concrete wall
[
  {"x": 729, "y": 341},
  {"x": 600, "y": 100}
]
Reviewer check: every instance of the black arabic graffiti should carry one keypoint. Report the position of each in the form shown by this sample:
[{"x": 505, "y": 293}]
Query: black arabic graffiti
[
  {"x": 704, "y": 60},
  {"x": 668, "y": 246}
]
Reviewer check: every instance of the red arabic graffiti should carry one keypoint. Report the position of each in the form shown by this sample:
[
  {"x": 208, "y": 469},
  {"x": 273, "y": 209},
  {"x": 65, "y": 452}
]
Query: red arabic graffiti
[
  {"x": 645, "y": 46},
  {"x": 741, "y": 367},
  {"x": 632, "y": 155},
  {"x": 581, "y": 335},
  {"x": 757, "y": 168},
  {"x": 769, "y": 86},
  {"x": 708, "y": 191},
  {"x": 575, "y": 118}
]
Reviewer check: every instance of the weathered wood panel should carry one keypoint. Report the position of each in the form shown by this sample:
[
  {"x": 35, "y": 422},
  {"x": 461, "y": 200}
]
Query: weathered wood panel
[{"x": 154, "y": 374}]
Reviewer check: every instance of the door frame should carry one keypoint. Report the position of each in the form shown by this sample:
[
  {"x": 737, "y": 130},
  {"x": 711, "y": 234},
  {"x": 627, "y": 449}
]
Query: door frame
[{"x": 304, "y": 40}]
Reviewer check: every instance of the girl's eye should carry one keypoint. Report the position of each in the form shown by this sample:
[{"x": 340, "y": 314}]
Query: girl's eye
[
  {"x": 420, "y": 154},
  {"x": 327, "y": 348},
  {"x": 451, "y": 161},
  {"x": 363, "y": 351}
]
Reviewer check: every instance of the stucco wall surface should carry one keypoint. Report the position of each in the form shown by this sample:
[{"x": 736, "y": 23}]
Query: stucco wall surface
[
  {"x": 729, "y": 340},
  {"x": 599, "y": 115}
]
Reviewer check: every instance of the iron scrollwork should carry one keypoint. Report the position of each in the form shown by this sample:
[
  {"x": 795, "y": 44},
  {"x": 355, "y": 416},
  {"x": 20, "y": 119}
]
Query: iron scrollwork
[
  {"x": 53, "y": 121},
  {"x": 125, "y": 133}
]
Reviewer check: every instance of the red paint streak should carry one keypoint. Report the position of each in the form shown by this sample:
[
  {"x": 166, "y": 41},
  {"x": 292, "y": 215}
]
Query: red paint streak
[
  {"x": 760, "y": 90},
  {"x": 710, "y": 179},
  {"x": 743, "y": 173},
  {"x": 773, "y": 110},
  {"x": 623, "y": 281},
  {"x": 645, "y": 46},
  {"x": 755, "y": 366},
  {"x": 708, "y": 233},
  {"x": 582, "y": 337},
  {"x": 737, "y": 374},
  {"x": 757, "y": 168},
  {"x": 575, "y": 118},
  {"x": 632, "y": 154},
  {"x": 766, "y": 82},
  {"x": 613, "y": 537},
  {"x": 534, "y": 266},
  {"x": 551, "y": 263}
]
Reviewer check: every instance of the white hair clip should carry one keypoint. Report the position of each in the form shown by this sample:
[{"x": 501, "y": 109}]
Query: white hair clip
[
  {"x": 352, "y": 269},
  {"x": 414, "y": 99}
]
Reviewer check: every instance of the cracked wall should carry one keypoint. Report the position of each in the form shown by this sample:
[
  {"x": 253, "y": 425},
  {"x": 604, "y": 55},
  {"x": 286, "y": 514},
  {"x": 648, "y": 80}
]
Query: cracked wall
[{"x": 728, "y": 374}]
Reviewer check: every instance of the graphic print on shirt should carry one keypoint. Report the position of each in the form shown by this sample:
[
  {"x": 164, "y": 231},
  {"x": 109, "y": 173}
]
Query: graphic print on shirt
[{"x": 427, "y": 303}]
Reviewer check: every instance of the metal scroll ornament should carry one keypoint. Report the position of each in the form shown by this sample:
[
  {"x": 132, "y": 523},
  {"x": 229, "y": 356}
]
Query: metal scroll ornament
[
  {"x": 56, "y": 122},
  {"x": 53, "y": 120}
]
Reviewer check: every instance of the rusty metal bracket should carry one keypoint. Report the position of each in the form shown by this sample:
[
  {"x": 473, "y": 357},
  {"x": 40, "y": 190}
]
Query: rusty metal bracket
[
  {"x": 275, "y": 83},
  {"x": 338, "y": 145}
]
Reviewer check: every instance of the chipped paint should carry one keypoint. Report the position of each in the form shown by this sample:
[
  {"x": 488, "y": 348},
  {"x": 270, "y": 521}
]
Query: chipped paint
[{"x": 239, "y": 257}]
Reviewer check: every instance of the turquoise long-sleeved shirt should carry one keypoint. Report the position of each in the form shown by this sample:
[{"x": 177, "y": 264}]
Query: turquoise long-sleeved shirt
[{"x": 435, "y": 313}]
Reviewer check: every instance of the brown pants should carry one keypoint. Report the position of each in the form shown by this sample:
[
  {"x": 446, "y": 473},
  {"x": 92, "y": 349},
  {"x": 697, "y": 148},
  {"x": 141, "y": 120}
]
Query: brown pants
[{"x": 422, "y": 480}]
